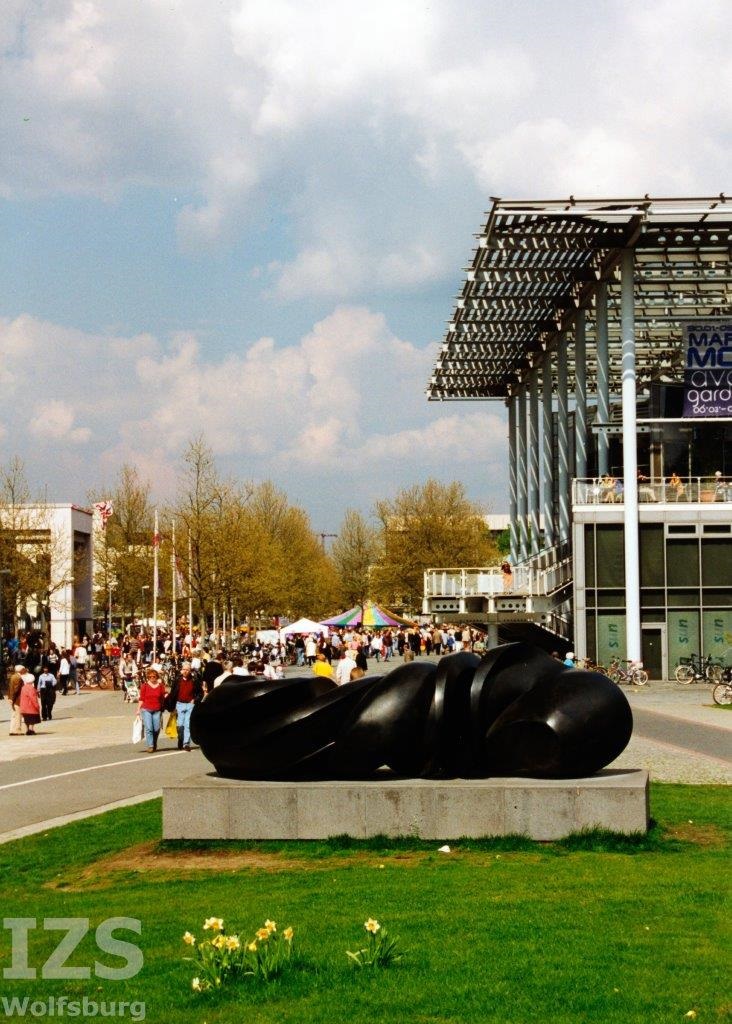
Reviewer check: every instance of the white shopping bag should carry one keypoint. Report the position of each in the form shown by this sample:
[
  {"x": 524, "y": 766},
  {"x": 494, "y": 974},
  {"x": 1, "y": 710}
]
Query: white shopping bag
[{"x": 137, "y": 730}]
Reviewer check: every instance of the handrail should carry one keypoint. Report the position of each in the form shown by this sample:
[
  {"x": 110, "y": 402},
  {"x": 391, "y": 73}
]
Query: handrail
[
  {"x": 524, "y": 580},
  {"x": 610, "y": 490}
]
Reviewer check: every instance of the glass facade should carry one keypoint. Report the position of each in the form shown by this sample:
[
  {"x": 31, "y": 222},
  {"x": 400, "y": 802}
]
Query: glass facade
[{"x": 686, "y": 588}]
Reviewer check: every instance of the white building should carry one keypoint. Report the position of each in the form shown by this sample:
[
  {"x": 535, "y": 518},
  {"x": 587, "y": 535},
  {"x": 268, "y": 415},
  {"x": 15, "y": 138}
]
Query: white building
[{"x": 61, "y": 535}]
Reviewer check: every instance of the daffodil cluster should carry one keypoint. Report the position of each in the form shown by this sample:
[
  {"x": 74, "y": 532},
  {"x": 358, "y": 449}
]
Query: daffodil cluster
[
  {"x": 225, "y": 957},
  {"x": 380, "y": 951}
]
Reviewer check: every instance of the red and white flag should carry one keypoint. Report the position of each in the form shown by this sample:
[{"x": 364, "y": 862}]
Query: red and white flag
[{"x": 105, "y": 510}]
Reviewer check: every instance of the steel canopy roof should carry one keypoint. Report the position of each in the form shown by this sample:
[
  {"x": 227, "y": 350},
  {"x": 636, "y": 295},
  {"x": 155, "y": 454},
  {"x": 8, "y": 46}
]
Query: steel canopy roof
[{"x": 537, "y": 263}]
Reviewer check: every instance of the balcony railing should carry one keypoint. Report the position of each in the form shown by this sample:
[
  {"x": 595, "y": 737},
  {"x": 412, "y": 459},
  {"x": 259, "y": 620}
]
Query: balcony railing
[
  {"x": 524, "y": 580},
  {"x": 609, "y": 490}
]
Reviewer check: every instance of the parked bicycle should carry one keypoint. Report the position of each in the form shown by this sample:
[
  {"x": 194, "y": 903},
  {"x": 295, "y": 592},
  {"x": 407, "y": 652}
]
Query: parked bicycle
[
  {"x": 722, "y": 692},
  {"x": 695, "y": 670},
  {"x": 627, "y": 672},
  {"x": 102, "y": 678}
]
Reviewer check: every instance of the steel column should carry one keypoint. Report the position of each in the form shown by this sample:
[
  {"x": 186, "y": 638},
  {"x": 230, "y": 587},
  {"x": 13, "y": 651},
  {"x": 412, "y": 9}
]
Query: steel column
[
  {"x": 523, "y": 478},
  {"x": 550, "y": 533},
  {"x": 512, "y": 479},
  {"x": 603, "y": 379},
  {"x": 630, "y": 459},
  {"x": 580, "y": 396},
  {"x": 534, "y": 491},
  {"x": 563, "y": 440}
]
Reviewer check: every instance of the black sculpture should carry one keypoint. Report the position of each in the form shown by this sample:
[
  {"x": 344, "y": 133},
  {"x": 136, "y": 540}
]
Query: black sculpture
[{"x": 517, "y": 711}]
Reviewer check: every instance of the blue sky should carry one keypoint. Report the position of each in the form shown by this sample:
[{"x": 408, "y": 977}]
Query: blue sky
[{"x": 248, "y": 219}]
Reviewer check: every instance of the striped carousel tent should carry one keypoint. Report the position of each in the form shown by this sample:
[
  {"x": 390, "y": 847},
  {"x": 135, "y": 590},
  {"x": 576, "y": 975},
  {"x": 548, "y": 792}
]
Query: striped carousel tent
[{"x": 368, "y": 615}]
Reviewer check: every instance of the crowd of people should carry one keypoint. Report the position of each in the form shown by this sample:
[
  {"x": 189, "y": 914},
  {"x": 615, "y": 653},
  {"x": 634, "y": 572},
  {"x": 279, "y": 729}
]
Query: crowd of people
[{"x": 174, "y": 673}]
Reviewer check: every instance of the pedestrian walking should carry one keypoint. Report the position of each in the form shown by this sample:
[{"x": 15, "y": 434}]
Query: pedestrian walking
[
  {"x": 187, "y": 691},
  {"x": 14, "y": 687},
  {"x": 30, "y": 707},
  {"x": 151, "y": 704},
  {"x": 47, "y": 693}
]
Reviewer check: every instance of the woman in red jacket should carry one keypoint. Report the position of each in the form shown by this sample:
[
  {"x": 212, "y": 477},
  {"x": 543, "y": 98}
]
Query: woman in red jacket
[
  {"x": 152, "y": 702},
  {"x": 30, "y": 707}
]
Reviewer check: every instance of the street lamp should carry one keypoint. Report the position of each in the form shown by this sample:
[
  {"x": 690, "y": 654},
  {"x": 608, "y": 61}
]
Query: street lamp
[
  {"x": 3, "y": 572},
  {"x": 69, "y": 631},
  {"x": 109, "y": 616}
]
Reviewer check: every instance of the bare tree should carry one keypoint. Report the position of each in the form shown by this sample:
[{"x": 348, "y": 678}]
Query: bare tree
[
  {"x": 430, "y": 524},
  {"x": 354, "y": 553}
]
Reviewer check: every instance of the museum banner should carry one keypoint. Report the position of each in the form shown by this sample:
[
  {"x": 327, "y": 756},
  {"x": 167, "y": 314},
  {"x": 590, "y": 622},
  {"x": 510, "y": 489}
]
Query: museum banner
[{"x": 707, "y": 368}]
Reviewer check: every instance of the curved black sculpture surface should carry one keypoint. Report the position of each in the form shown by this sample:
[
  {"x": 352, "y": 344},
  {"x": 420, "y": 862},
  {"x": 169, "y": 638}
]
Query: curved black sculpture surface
[{"x": 517, "y": 711}]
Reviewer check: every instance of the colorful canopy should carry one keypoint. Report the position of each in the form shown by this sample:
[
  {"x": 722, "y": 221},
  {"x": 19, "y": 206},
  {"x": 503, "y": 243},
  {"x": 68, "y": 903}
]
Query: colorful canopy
[{"x": 369, "y": 615}]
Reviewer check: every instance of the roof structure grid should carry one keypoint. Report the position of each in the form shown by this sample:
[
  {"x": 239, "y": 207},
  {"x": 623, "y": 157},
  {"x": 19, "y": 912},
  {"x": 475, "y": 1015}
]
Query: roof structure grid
[{"x": 538, "y": 263}]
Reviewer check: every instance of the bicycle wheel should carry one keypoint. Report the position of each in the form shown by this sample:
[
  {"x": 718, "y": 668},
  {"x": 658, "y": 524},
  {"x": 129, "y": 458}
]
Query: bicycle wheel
[
  {"x": 105, "y": 678},
  {"x": 684, "y": 674},
  {"x": 722, "y": 694},
  {"x": 713, "y": 673},
  {"x": 639, "y": 676}
]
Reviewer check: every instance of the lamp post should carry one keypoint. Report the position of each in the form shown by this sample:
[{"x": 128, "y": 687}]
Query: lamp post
[
  {"x": 69, "y": 631},
  {"x": 3, "y": 572},
  {"x": 109, "y": 615}
]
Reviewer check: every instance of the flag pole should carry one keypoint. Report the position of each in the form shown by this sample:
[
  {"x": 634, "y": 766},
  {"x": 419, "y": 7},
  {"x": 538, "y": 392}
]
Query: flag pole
[
  {"x": 190, "y": 589},
  {"x": 174, "y": 563},
  {"x": 156, "y": 581}
]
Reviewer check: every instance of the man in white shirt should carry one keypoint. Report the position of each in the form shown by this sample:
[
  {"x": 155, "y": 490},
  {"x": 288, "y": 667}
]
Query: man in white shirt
[
  {"x": 47, "y": 693},
  {"x": 346, "y": 665}
]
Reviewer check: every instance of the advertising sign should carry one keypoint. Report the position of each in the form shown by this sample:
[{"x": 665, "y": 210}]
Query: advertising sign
[{"x": 707, "y": 368}]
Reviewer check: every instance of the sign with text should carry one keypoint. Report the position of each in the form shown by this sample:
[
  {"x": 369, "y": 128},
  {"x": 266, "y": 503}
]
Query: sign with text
[{"x": 707, "y": 368}]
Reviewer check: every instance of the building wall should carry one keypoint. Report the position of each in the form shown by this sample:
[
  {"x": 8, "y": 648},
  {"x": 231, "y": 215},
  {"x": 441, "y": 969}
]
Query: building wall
[{"x": 686, "y": 585}]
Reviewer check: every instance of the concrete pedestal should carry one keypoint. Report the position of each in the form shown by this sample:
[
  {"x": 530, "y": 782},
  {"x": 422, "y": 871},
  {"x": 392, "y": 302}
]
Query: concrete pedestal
[{"x": 208, "y": 807}]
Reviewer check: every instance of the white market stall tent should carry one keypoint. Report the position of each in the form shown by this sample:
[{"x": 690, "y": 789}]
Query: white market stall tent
[{"x": 303, "y": 627}]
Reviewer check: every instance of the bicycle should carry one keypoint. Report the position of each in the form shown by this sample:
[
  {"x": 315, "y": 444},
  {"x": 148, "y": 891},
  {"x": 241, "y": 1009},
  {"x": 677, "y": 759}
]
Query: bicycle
[
  {"x": 588, "y": 665},
  {"x": 102, "y": 678},
  {"x": 722, "y": 692},
  {"x": 635, "y": 675},
  {"x": 694, "y": 670}
]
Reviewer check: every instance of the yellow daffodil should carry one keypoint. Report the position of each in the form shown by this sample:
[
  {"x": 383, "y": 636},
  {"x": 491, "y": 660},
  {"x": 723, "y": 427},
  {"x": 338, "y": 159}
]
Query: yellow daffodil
[
  {"x": 270, "y": 926},
  {"x": 196, "y": 984},
  {"x": 219, "y": 942},
  {"x": 252, "y": 947},
  {"x": 288, "y": 933},
  {"x": 189, "y": 939},
  {"x": 263, "y": 934},
  {"x": 215, "y": 924},
  {"x": 691, "y": 1014},
  {"x": 372, "y": 926},
  {"x": 233, "y": 942}
]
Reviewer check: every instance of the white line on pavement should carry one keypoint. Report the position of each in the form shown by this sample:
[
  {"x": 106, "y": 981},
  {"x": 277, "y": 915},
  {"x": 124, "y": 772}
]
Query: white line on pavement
[{"x": 91, "y": 768}]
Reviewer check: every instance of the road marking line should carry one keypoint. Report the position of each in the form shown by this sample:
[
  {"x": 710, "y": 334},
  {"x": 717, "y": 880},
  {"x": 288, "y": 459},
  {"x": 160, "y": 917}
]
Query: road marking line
[{"x": 91, "y": 768}]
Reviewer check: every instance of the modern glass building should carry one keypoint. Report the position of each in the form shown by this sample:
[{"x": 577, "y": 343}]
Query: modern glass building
[{"x": 605, "y": 326}]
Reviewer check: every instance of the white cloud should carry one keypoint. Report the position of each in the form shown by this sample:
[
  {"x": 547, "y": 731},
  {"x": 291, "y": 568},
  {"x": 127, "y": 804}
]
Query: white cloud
[
  {"x": 54, "y": 421},
  {"x": 380, "y": 109},
  {"x": 339, "y": 414}
]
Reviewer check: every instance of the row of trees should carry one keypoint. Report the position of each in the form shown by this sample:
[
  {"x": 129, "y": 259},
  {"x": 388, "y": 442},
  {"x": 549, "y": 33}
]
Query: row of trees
[{"x": 243, "y": 548}]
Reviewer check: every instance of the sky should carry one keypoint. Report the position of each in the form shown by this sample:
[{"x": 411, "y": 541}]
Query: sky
[{"x": 248, "y": 219}]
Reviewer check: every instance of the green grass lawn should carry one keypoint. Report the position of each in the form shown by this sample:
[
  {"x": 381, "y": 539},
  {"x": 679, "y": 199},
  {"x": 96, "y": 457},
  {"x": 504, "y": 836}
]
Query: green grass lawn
[{"x": 506, "y": 931}]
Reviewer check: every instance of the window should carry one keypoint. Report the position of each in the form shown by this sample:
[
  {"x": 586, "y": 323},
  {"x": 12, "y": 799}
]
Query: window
[
  {"x": 651, "y": 555},
  {"x": 682, "y": 563},
  {"x": 610, "y": 556},
  {"x": 717, "y": 562}
]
